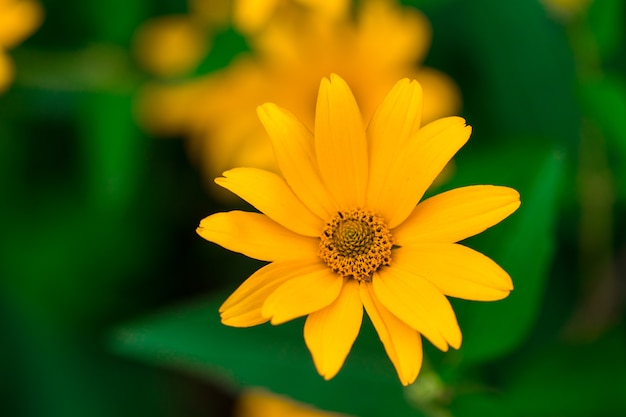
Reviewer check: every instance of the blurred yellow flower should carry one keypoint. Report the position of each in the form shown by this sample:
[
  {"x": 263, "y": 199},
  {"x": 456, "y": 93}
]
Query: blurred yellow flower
[
  {"x": 343, "y": 229},
  {"x": 253, "y": 15},
  {"x": 217, "y": 112},
  {"x": 18, "y": 19},
  {"x": 260, "y": 403},
  {"x": 171, "y": 46}
]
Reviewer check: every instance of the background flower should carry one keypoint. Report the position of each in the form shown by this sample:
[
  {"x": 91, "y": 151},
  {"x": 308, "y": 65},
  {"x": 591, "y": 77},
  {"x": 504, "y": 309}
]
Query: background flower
[
  {"x": 260, "y": 403},
  {"x": 217, "y": 111},
  {"x": 18, "y": 19},
  {"x": 252, "y": 15}
]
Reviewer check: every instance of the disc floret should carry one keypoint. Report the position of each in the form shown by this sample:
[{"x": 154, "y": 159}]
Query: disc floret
[{"x": 355, "y": 244}]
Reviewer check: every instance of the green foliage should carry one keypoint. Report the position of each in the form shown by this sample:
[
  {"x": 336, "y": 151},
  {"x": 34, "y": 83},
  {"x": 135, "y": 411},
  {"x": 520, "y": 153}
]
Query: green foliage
[
  {"x": 192, "y": 338},
  {"x": 523, "y": 245}
]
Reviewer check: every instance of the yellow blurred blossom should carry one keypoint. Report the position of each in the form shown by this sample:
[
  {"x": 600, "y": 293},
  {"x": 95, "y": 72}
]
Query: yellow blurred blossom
[
  {"x": 253, "y": 15},
  {"x": 216, "y": 113},
  {"x": 261, "y": 403},
  {"x": 18, "y": 19},
  {"x": 344, "y": 229},
  {"x": 171, "y": 46},
  {"x": 211, "y": 13}
]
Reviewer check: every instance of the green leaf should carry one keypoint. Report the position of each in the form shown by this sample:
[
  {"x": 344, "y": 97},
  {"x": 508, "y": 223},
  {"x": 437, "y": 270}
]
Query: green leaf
[
  {"x": 514, "y": 80},
  {"x": 523, "y": 245},
  {"x": 112, "y": 148},
  {"x": 606, "y": 23},
  {"x": 193, "y": 339},
  {"x": 572, "y": 380},
  {"x": 604, "y": 101}
]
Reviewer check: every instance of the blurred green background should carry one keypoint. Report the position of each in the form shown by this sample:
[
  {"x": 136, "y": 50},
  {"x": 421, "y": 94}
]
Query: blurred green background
[{"x": 108, "y": 298}]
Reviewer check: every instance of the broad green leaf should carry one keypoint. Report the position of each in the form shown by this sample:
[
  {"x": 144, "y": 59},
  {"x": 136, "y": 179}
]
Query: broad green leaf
[
  {"x": 572, "y": 379},
  {"x": 523, "y": 245},
  {"x": 192, "y": 338},
  {"x": 606, "y": 24},
  {"x": 515, "y": 81},
  {"x": 604, "y": 102}
]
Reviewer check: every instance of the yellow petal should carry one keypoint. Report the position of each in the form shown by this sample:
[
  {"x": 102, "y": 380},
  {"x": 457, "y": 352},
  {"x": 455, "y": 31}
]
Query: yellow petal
[
  {"x": 256, "y": 236},
  {"x": 390, "y": 37},
  {"x": 295, "y": 155},
  {"x": 333, "y": 9},
  {"x": 243, "y": 307},
  {"x": 271, "y": 195},
  {"x": 330, "y": 332},
  {"x": 419, "y": 163},
  {"x": 340, "y": 143},
  {"x": 17, "y": 21},
  {"x": 395, "y": 121},
  {"x": 256, "y": 402},
  {"x": 402, "y": 343},
  {"x": 6, "y": 71},
  {"x": 442, "y": 95},
  {"x": 252, "y": 15},
  {"x": 303, "y": 295},
  {"x": 456, "y": 270},
  {"x": 457, "y": 214},
  {"x": 170, "y": 46},
  {"x": 419, "y": 304}
]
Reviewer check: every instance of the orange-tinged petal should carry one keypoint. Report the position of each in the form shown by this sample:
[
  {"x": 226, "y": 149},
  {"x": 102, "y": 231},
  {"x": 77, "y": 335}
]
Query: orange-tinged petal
[
  {"x": 295, "y": 155},
  {"x": 17, "y": 21},
  {"x": 419, "y": 163},
  {"x": 340, "y": 143},
  {"x": 243, "y": 307},
  {"x": 256, "y": 236},
  {"x": 271, "y": 195},
  {"x": 395, "y": 121},
  {"x": 419, "y": 304},
  {"x": 170, "y": 46},
  {"x": 456, "y": 270},
  {"x": 6, "y": 71},
  {"x": 402, "y": 343},
  {"x": 330, "y": 332},
  {"x": 302, "y": 295},
  {"x": 256, "y": 402},
  {"x": 252, "y": 15},
  {"x": 457, "y": 214}
]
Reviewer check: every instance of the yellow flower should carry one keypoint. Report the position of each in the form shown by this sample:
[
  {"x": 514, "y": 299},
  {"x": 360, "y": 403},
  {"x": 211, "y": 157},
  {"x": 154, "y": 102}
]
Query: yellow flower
[
  {"x": 170, "y": 46},
  {"x": 260, "y": 403},
  {"x": 343, "y": 229},
  {"x": 253, "y": 15},
  {"x": 18, "y": 19},
  {"x": 217, "y": 112}
]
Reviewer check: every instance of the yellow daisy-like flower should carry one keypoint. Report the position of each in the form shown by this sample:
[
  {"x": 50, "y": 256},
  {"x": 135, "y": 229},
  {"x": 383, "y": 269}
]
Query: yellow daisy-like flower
[
  {"x": 18, "y": 19},
  {"x": 343, "y": 229}
]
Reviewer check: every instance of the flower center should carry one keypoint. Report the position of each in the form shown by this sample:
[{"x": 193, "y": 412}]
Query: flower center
[{"x": 355, "y": 244}]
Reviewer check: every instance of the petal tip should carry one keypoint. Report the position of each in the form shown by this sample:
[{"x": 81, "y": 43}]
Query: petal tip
[
  {"x": 335, "y": 78},
  {"x": 263, "y": 110}
]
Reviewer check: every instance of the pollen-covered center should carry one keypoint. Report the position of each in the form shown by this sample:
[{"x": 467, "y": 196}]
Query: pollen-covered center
[{"x": 355, "y": 244}]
